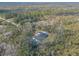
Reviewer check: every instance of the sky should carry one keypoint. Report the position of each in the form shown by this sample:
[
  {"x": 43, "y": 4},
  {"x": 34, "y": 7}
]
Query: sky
[{"x": 39, "y": 0}]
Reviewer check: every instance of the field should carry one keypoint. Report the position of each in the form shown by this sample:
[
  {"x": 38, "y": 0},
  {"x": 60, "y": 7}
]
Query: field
[{"x": 18, "y": 24}]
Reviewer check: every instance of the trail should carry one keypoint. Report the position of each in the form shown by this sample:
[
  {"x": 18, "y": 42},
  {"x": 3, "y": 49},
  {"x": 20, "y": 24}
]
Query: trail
[{"x": 7, "y": 20}]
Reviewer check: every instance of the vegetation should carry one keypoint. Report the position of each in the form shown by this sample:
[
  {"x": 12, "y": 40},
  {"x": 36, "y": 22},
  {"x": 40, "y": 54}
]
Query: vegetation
[{"x": 61, "y": 24}]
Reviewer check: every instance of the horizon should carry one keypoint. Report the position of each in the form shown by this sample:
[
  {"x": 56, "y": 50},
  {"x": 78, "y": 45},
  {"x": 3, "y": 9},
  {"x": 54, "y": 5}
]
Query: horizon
[{"x": 36, "y": 3}]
